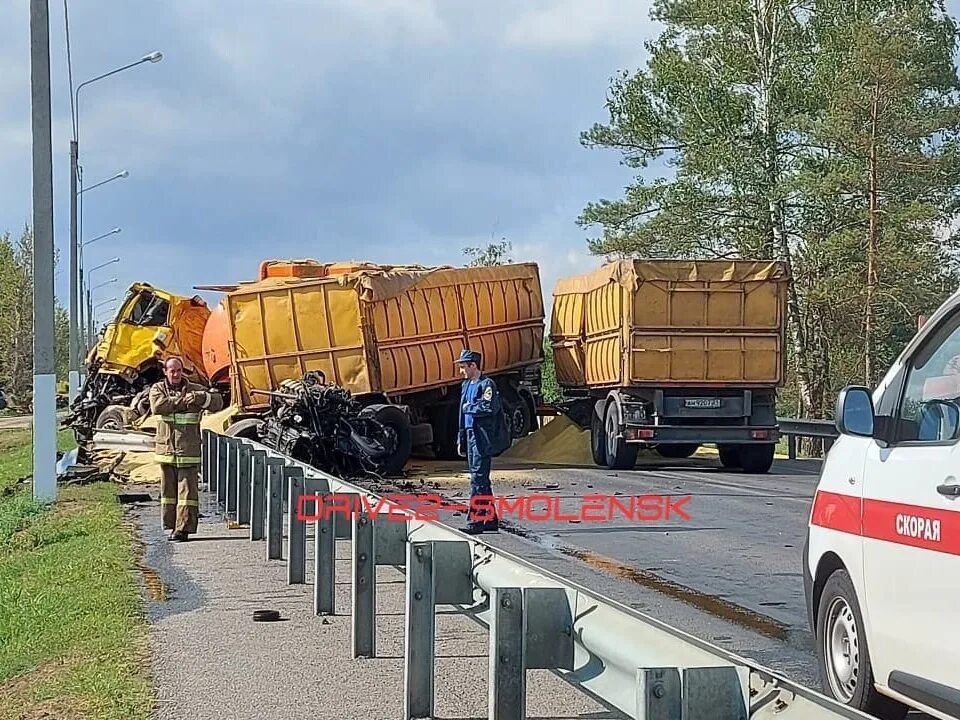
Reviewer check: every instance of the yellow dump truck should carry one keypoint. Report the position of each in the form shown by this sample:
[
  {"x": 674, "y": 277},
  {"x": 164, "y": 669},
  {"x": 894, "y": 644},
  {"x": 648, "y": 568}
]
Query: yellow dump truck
[
  {"x": 674, "y": 354},
  {"x": 150, "y": 325},
  {"x": 389, "y": 335}
]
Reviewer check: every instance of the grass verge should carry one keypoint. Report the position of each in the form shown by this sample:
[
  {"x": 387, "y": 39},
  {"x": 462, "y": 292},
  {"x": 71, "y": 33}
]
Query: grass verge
[{"x": 73, "y": 639}]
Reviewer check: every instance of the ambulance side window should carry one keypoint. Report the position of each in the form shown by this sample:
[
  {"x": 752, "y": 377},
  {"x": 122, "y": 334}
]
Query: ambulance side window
[{"x": 930, "y": 405}]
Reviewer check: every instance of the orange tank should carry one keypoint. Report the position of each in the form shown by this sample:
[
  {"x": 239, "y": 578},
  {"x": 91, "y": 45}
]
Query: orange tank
[{"x": 216, "y": 347}]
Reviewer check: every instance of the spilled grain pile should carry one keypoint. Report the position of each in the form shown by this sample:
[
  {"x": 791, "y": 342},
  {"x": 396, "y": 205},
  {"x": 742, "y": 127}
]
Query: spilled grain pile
[{"x": 559, "y": 442}]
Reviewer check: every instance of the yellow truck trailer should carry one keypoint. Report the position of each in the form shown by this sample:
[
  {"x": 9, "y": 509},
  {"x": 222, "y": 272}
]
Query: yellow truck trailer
[
  {"x": 674, "y": 354},
  {"x": 390, "y": 336}
]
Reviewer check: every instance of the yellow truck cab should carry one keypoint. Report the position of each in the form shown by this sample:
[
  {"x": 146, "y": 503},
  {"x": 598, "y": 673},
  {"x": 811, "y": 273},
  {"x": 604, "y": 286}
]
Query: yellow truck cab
[{"x": 150, "y": 326}]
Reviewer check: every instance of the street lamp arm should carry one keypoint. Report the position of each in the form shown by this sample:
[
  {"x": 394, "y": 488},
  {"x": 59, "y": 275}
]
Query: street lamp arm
[
  {"x": 152, "y": 57},
  {"x": 118, "y": 176}
]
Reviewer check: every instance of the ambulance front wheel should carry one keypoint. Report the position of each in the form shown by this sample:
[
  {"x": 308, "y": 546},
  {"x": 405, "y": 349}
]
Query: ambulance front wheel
[{"x": 843, "y": 657}]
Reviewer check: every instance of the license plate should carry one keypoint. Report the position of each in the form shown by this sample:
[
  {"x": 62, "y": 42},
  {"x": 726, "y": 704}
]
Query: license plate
[{"x": 702, "y": 402}]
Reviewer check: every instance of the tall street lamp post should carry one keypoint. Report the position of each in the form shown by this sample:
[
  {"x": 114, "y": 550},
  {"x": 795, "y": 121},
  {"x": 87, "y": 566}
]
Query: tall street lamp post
[
  {"x": 83, "y": 332},
  {"x": 75, "y": 297},
  {"x": 90, "y": 272},
  {"x": 44, "y": 362}
]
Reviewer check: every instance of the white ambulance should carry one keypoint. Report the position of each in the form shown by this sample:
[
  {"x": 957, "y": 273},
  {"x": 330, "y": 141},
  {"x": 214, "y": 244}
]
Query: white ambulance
[{"x": 882, "y": 555}]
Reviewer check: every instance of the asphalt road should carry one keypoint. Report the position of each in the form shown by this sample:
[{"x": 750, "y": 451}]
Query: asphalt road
[
  {"x": 730, "y": 574},
  {"x": 24, "y": 421}
]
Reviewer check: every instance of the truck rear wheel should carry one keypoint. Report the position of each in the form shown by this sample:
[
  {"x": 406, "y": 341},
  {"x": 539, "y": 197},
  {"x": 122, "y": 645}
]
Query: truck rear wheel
[
  {"x": 756, "y": 459},
  {"x": 521, "y": 416},
  {"x": 729, "y": 456},
  {"x": 677, "y": 452},
  {"x": 598, "y": 439},
  {"x": 446, "y": 421},
  {"x": 620, "y": 454}
]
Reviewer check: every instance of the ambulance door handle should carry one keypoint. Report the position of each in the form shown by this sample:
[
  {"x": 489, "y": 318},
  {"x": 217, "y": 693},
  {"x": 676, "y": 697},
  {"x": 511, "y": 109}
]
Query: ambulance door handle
[{"x": 950, "y": 490}]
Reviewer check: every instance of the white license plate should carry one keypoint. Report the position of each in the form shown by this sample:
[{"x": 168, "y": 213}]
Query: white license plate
[{"x": 702, "y": 402}]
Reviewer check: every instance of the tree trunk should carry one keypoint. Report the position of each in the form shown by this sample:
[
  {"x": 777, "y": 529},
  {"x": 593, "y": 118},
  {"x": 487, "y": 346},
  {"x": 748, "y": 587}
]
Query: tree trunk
[{"x": 872, "y": 201}]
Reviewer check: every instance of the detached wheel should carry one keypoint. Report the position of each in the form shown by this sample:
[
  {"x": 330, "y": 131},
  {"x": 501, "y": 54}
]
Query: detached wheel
[
  {"x": 756, "y": 459},
  {"x": 842, "y": 654},
  {"x": 677, "y": 452},
  {"x": 620, "y": 454},
  {"x": 396, "y": 419}
]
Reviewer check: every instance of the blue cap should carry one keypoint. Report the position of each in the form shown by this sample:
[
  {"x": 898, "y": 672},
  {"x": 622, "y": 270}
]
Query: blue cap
[{"x": 469, "y": 356}]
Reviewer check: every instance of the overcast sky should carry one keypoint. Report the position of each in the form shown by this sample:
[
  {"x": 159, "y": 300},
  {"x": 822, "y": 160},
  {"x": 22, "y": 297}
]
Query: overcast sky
[{"x": 394, "y": 131}]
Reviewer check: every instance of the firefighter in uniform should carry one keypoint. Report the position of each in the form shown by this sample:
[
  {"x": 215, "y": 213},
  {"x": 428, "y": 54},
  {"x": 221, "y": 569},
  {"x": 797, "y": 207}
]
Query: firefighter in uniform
[
  {"x": 177, "y": 403},
  {"x": 483, "y": 435}
]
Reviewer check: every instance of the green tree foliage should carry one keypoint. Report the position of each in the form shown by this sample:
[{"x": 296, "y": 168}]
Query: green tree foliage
[
  {"x": 16, "y": 317},
  {"x": 16, "y": 321},
  {"x": 822, "y": 133},
  {"x": 492, "y": 254}
]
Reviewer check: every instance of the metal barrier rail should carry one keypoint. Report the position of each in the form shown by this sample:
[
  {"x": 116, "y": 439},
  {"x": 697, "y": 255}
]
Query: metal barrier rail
[
  {"x": 536, "y": 619},
  {"x": 794, "y": 428}
]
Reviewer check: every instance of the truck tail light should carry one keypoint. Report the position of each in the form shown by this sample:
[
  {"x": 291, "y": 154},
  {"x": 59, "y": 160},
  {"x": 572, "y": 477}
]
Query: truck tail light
[
  {"x": 639, "y": 433},
  {"x": 760, "y": 434}
]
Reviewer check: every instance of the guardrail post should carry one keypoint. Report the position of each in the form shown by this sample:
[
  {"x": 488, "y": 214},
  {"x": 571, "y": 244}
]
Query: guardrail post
[
  {"x": 324, "y": 560},
  {"x": 698, "y": 693},
  {"x": 233, "y": 476},
  {"x": 364, "y": 587},
  {"x": 508, "y": 678},
  {"x": 438, "y": 573},
  {"x": 258, "y": 494},
  {"x": 792, "y": 447},
  {"x": 204, "y": 479},
  {"x": 276, "y": 480},
  {"x": 296, "y": 527},
  {"x": 659, "y": 695},
  {"x": 223, "y": 448},
  {"x": 243, "y": 484},
  {"x": 420, "y": 632},
  {"x": 530, "y": 628}
]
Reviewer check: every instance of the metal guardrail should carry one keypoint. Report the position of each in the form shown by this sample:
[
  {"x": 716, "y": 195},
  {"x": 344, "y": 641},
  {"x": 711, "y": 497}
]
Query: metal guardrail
[
  {"x": 794, "y": 428},
  {"x": 537, "y": 620}
]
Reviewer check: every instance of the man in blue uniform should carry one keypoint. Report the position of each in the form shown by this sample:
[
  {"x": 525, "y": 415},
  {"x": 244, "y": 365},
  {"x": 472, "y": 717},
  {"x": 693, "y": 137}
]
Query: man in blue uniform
[{"x": 483, "y": 436}]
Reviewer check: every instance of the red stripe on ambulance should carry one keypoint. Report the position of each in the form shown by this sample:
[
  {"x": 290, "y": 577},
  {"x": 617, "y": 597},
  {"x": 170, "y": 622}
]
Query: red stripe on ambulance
[{"x": 900, "y": 523}]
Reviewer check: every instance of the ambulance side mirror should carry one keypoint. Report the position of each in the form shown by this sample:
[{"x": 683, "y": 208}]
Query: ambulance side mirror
[{"x": 854, "y": 415}]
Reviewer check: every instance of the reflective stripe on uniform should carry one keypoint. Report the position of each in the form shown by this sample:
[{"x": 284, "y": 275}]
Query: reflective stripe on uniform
[
  {"x": 168, "y": 501},
  {"x": 181, "y": 418},
  {"x": 177, "y": 460}
]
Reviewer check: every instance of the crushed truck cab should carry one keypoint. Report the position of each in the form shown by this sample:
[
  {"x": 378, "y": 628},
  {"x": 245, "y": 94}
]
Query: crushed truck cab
[{"x": 150, "y": 326}]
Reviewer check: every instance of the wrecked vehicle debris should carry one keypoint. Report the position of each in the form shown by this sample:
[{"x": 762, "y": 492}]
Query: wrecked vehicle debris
[
  {"x": 150, "y": 326},
  {"x": 324, "y": 426}
]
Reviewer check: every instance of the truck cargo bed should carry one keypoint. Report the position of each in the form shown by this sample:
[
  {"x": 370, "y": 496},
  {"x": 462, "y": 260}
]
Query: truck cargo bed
[
  {"x": 383, "y": 329},
  {"x": 671, "y": 323}
]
